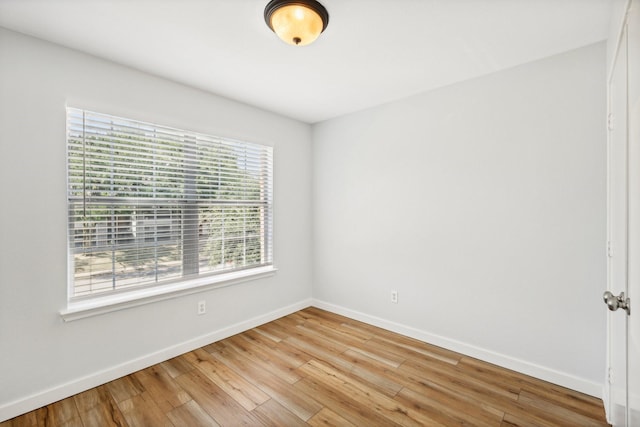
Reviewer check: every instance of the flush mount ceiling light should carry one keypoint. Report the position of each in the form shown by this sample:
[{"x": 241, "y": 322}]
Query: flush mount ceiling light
[{"x": 297, "y": 22}]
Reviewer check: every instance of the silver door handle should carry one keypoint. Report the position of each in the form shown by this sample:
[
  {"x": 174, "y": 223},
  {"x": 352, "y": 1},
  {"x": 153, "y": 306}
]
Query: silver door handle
[{"x": 616, "y": 302}]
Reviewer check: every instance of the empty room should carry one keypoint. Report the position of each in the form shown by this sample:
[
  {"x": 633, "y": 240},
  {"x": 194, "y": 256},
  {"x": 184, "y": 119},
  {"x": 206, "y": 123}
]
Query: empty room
[{"x": 332, "y": 212}]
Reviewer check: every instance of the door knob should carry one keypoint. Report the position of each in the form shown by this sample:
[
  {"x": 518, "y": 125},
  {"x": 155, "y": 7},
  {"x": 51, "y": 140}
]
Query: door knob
[{"x": 616, "y": 302}]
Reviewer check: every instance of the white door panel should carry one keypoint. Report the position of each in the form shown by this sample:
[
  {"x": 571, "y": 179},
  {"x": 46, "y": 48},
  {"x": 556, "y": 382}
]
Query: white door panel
[
  {"x": 624, "y": 225},
  {"x": 633, "y": 287},
  {"x": 617, "y": 231}
]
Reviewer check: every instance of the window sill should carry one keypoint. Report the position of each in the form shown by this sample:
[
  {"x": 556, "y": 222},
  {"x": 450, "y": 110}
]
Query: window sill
[{"x": 110, "y": 303}]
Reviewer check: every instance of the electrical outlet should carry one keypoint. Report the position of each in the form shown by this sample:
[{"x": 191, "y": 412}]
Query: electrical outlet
[
  {"x": 202, "y": 307},
  {"x": 394, "y": 297}
]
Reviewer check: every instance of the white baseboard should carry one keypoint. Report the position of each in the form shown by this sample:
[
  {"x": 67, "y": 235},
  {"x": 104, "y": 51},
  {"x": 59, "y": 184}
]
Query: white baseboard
[
  {"x": 45, "y": 397},
  {"x": 556, "y": 377}
]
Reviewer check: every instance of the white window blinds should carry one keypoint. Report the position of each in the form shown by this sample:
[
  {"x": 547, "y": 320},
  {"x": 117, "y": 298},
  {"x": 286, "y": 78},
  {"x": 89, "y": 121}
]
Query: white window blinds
[{"x": 150, "y": 204}]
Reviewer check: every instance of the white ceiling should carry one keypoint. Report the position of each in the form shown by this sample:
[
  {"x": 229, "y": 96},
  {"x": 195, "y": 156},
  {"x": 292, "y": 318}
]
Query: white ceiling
[{"x": 372, "y": 52}]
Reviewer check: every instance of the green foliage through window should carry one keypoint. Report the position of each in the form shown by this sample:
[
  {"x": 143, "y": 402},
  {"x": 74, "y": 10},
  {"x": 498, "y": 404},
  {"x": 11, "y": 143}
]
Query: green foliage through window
[{"x": 150, "y": 204}]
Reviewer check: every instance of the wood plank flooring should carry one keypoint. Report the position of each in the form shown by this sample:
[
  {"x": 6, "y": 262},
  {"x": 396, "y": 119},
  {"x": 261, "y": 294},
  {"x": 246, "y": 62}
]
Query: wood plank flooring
[{"x": 315, "y": 368}]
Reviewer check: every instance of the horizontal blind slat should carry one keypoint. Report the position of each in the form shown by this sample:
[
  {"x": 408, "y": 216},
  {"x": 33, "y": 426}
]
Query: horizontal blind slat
[{"x": 145, "y": 199}]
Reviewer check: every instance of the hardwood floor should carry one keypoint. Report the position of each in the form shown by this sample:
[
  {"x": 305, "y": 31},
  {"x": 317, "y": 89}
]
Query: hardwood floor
[{"x": 315, "y": 368}]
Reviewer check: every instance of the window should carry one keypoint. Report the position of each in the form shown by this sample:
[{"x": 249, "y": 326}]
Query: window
[{"x": 151, "y": 205}]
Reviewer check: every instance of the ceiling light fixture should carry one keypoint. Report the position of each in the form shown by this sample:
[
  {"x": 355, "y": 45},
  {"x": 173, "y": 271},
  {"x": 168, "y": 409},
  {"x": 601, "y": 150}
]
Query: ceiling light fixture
[{"x": 297, "y": 22}]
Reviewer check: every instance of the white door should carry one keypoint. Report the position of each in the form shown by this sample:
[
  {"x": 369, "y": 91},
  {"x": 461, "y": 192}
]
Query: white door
[
  {"x": 633, "y": 285},
  {"x": 623, "y": 407},
  {"x": 617, "y": 235}
]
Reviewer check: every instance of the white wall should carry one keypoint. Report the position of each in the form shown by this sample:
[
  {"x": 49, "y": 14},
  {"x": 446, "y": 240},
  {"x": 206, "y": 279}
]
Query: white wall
[
  {"x": 483, "y": 204},
  {"x": 41, "y": 357}
]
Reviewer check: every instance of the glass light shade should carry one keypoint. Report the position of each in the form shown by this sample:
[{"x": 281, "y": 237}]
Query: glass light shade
[{"x": 296, "y": 24}]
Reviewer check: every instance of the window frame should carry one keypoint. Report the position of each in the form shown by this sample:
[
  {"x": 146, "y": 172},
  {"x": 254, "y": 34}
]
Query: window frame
[{"x": 116, "y": 299}]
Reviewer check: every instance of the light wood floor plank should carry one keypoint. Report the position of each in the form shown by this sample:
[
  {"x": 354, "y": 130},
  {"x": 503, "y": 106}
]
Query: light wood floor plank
[
  {"x": 449, "y": 375},
  {"x": 373, "y": 372},
  {"x": 63, "y": 412},
  {"x": 273, "y": 413},
  {"x": 341, "y": 403},
  {"x": 215, "y": 402},
  {"x": 124, "y": 388},
  {"x": 141, "y": 410},
  {"x": 456, "y": 406},
  {"x": 307, "y": 332},
  {"x": 274, "y": 360},
  {"x": 585, "y": 405},
  {"x": 431, "y": 412},
  {"x": 318, "y": 368},
  {"x": 554, "y": 411},
  {"x": 103, "y": 412},
  {"x": 326, "y": 417},
  {"x": 298, "y": 403},
  {"x": 388, "y": 358},
  {"x": 164, "y": 391},
  {"x": 409, "y": 351},
  {"x": 342, "y": 335},
  {"x": 273, "y": 329},
  {"x": 87, "y": 399},
  {"x": 242, "y": 391},
  {"x": 360, "y": 393},
  {"x": 265, "y": 333},
  {"x": 316, "y": 350},
  {"x": 177, "y": 366},
  {"x": 192, "y": 415}
]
